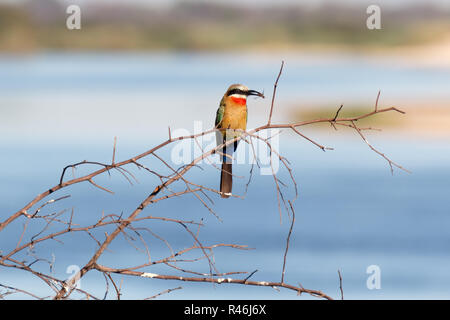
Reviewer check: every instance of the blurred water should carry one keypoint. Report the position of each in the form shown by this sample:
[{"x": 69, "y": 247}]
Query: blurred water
[
  {"x": 138, "y": 95},
  {"x": 351, "y": 213}
]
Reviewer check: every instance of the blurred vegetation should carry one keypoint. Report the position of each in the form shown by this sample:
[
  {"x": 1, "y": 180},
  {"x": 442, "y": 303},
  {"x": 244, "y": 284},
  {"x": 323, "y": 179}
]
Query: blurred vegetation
[{"x": 41, "y": 24}]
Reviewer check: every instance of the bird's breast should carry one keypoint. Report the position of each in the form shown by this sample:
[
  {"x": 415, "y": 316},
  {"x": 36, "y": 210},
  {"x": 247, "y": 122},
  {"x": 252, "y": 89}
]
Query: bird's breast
[{"x": 235, "y": 117}]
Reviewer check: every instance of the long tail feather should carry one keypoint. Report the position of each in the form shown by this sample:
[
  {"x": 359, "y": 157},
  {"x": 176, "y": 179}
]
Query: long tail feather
[
  {"x": 226, "y": 177},
  {"x": 226, "y": 180}
]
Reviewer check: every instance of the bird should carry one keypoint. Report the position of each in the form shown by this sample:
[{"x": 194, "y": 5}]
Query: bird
[{"x": 231, "y": 121}]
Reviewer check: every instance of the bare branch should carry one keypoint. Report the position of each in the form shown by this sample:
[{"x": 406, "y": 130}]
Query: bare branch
[{"x": 299, "y": 290}]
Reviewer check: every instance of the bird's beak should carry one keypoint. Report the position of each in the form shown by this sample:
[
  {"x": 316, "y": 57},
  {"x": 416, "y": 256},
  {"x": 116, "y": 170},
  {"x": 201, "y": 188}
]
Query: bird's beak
[{"x": 255, "y": 93}]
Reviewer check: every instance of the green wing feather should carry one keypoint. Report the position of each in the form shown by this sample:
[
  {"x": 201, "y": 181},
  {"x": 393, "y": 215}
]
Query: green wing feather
[
  {"x": 219, "y": 114},
  {"x": 218, "y": 122}
]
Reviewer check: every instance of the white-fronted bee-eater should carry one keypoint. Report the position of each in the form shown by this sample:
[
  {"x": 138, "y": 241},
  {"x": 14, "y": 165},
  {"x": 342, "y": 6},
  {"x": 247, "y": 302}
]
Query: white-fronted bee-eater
[{"x": 231, "y": 120}]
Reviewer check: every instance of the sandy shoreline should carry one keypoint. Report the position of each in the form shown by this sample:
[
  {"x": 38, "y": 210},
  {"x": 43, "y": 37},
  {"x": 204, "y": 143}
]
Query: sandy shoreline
[
  {"x": 436, "y": 54},
  {"x": 429, "y": 55},
  {"x": 427, "y": 121}
]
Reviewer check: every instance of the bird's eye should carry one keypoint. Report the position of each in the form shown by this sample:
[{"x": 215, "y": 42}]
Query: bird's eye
[{"x": 236, "y": 91}]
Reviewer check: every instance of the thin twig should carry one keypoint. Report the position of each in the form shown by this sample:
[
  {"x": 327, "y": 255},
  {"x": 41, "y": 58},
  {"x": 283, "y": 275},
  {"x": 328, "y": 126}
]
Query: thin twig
[
  {"x": 340, "y": 285},
  {"x": 274, "y": 92},
  {"x": 250, "y": 275},
  {"x": 287, "y": 241},
  {"x": 337, "y": 112},
  {"x": 163, "y": 292},
  {"x": 114, "y": 151},
  {"x": 376, "y": 102}
]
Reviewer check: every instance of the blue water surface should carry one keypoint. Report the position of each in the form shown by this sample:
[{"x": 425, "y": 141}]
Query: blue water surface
[{"x": 351, "y": 213}]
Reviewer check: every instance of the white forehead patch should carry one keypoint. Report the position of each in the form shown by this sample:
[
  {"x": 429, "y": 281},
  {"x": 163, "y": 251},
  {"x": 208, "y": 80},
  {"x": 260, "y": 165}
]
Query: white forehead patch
[{"x": 242, "y": 87}]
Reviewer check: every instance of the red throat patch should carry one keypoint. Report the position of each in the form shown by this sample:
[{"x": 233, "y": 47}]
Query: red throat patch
[{"x": 241, "y": 101}]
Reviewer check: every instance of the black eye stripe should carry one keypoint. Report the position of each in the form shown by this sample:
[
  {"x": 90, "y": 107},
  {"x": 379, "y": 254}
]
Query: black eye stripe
[{"x": 236, "y": 91}]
